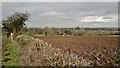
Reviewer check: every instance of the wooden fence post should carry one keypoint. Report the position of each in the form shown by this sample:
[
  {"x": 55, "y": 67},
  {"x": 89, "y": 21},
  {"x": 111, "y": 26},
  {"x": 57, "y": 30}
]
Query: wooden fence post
[{"x": 11, "y": 36}]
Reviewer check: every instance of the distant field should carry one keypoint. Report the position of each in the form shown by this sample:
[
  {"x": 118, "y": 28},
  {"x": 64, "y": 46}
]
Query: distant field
[
  {"x": 113, "y": 35},
  {"x": 0, "y": 39},
  {"x": 97, "y": 49},
  {"x": 0, "y": 36}
]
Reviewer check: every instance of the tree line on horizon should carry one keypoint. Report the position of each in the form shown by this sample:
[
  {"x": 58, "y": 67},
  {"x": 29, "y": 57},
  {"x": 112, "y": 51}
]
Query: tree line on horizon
[
  {"x": 16, "y": 24},
  {"x": 75, "y": 31}
]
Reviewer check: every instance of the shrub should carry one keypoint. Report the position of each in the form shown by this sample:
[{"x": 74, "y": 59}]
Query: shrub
[{"x": 23, "y": 39}]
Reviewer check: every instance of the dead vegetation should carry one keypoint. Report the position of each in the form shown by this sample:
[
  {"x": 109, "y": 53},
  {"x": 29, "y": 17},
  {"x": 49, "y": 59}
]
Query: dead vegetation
[
  {"x": 68, "y": 51},
  {"x": 99, "y": 51},
  {"x": 39, "y": 53}
]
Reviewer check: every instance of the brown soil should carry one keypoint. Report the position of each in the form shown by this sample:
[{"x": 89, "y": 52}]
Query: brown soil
[{"x": 100, "y": 50}]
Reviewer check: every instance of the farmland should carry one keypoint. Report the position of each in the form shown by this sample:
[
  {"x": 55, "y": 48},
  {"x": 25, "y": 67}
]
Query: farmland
[
  {"x": 62, "y": 47},
  {"x": 61, "y": 51},
  {"x": 97, "y": 49}
]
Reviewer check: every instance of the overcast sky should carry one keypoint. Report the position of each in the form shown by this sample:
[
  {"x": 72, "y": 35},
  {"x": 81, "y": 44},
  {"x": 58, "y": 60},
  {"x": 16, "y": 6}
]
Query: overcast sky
[
  {"x": 59, "y": 0},
  {"x": 65, "y": 14}
]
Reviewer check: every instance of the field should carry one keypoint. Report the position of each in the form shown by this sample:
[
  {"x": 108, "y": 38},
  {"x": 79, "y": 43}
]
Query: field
[
  {"x": 98, "y": 50},
  {"x": 61, "y": 51}
]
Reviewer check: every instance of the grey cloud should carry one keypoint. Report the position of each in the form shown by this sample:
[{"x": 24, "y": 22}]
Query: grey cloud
[{"x": 107, "y": 18}]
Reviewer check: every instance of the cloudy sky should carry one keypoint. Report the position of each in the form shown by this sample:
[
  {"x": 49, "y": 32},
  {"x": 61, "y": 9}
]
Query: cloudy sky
[
  {"x": 60, "y": 0},
  {"x": 65, "y": 14}
]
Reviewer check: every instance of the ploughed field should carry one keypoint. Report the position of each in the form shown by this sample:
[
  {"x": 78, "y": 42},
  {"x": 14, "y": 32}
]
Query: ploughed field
[{"x": 99, "y": 50}]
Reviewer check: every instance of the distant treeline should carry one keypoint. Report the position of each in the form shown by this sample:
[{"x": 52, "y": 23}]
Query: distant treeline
[{"x": 76, "y": 31}]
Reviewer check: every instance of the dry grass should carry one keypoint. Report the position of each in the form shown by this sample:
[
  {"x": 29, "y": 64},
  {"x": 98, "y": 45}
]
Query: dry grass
[
  {"x": 102, "y": 51},
  {"x": 64, "y": 51},
  {"x": 39, "y": 53}
]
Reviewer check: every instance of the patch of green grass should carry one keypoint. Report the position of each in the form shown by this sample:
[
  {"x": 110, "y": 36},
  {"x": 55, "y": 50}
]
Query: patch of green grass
[{"x": 10, "y": 57}]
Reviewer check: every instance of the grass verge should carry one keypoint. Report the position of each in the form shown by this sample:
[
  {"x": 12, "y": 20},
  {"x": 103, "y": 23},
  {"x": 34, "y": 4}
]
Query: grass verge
[{"x": 10, "y": 54}]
